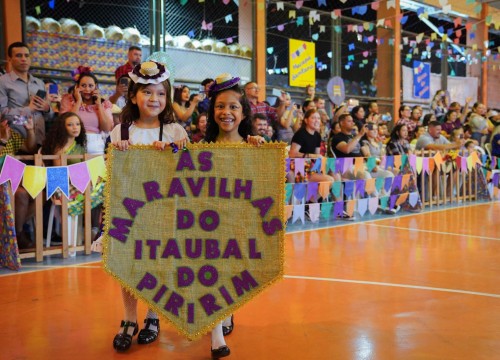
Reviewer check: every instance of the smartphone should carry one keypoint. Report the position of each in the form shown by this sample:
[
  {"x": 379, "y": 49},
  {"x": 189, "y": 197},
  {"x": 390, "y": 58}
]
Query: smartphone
[
  {"x": 16, "y": 119},
  {"x": 41, "y": 94},
  {"x": 53, "y": 89},
  {"x": 124, "y": 81}
]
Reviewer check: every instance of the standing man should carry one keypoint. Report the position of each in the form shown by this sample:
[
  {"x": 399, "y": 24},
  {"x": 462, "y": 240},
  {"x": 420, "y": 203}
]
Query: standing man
[
  {"x": 204, "y": 104},
  {"x": 19, "y": 89},
  {"x": 134, "y": 58},
  {"x": 273, "y": 115}
]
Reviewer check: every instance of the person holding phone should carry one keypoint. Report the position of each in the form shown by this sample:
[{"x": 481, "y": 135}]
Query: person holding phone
[
  {"x": 87, "y": 103},
  {"x": 119, "y": 98},
  {"x": 23, "y": 94}
]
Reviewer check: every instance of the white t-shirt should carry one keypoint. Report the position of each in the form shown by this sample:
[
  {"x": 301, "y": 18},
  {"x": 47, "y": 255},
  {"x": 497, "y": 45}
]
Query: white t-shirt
[{"x": 139, "y": 136}]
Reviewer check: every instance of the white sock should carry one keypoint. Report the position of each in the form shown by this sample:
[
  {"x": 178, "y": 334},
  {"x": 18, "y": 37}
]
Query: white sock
[
  {"x": 227, "y": 321},
  {"x": 130, "y": 309},
  {"x": 217, "y": 337}
]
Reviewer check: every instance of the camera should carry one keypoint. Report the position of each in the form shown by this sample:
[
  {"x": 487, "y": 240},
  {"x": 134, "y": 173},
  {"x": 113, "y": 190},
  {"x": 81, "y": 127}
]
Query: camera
[{"x": 369, "y": 126}]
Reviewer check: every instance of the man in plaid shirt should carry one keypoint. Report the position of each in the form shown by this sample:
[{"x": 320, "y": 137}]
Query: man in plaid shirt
[
  {"x": 273, "y": 115},
  {"x": 134, "y": 57}
]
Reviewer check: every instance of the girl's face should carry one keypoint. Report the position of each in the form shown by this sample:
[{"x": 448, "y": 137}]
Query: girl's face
[
  {"x": 185, "y": 94},
  {"x": 86, "y": 86},
  {"x": 202, "y": 124},
  {"x": 421, "y": 131},
  {"x": 151, "y": 100},
  {"x": 452, "y": 117},
  {"x": 228, "y": 112},
  {"x": 313, "y": 122},
  {"x": 403, "y": 133},
  {"x": 73, "y": 127},
  {"x": 310, "y": 91}
]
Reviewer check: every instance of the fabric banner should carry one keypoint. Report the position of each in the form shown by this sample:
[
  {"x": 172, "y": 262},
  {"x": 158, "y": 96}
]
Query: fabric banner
[
  {"x": 198, "y": 233},
  {"x": 302, "y": 55}
]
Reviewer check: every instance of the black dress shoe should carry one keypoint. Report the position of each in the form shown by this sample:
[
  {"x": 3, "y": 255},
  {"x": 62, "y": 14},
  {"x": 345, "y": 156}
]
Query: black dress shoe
[
  {"x": 123, "y": 340},
  {"x": 146, "y": 335},
  {"x": 226, "y": 330},
  {"x": 221, "y": 352}
]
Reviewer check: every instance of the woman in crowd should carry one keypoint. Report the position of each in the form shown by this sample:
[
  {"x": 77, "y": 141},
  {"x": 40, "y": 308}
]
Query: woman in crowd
[
  {"x": 95, "y": 112},
  {"x": 439, "y": 104},
  {"x": 370, "y": 146},
  {"x": 358, "y": 115},
  {"x": 289, "y": 122},
  {"x": 478, "y": 123},
  {"x": 306, "y": 142},
  {"x": 428, "y": 118},
  {"x": 201, "y": 128},
  {"x": 398, "y": 143},
  {"x": 147, "y": 119},
  {"x": 184, "y": 108},
  {"x": 404, "y": 119},
  {"x": 452, "y": 121},
  {"x": 310, "y": 92}
]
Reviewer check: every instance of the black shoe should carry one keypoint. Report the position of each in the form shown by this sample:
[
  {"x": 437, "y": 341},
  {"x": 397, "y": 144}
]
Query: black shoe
[
  {"x": 123, "y": 340},
  {"x": 221, "y": 352},
  {"x": 226, "y": 330},
  {"x": 146, "y": 335}
]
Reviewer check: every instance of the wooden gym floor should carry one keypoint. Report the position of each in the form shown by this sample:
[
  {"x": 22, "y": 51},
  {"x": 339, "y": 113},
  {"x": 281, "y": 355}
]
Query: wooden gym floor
[{"x": 417, "y": 286}]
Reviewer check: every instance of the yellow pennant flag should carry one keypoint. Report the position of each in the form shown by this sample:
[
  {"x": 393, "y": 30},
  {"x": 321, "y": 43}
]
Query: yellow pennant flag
[
  {"x": 97, "y": 168},
  {"x": 351, "y": 204},
  {"x": 34, "y": 180},
  {"x": 470, "y": 163},
  {"x": 291, "y": 14},
  {"x": 359, "y": 164},
  {"x": 402, "y": 198},
  {"x": 439, "y": 160},
  {"x": 397, "y": 161},
  {"x": 420, "y": 161},
  {"x": 433, "y": 36}
]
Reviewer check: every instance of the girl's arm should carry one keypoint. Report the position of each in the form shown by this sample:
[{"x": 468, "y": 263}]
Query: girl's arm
[{"x": 256, "y": 140}]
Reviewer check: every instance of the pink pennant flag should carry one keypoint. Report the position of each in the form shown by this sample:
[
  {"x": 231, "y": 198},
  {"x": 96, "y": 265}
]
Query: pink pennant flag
[
  {"x": 375, "y": 5},
  {"x": 458, "y": 21},
  {"x": 229, "y": 40},
  {"x": 12, "y": 170},
  {"x": 210, "y": 26},
  {"x": 413, "y": 162},
  {"x": 299, "y": 4},
  {"x": 226, "y": 2},
  {"x": 79, "y": 175},
  {"x": 463, "y": 165},
  {"x": 425, "y": 164},
  {"x": 373, "y": 205},
  {"x": 203, "y": 25},
  {"x": 362, "y": 206}
]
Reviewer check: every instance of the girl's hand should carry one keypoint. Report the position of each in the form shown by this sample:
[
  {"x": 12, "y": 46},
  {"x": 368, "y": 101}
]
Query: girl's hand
[
  {"x": 181, "y": 144},
  {"x": 255, "y": 140},
  {"x": 122, "y": 145},
  {"x": 160, "y": 145}
]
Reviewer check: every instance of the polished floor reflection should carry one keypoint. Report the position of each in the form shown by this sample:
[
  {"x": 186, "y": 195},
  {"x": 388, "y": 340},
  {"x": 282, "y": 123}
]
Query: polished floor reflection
[{"x": 421, "y": 286}]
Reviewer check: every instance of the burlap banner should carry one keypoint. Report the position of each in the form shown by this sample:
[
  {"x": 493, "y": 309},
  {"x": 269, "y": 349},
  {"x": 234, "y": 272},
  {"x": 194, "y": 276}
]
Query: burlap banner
[{"x": 198, "y": 233}]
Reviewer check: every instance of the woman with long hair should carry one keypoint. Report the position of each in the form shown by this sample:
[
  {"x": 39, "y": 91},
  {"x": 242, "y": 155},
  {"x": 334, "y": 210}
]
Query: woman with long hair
[{"x": 95, "y": 112}]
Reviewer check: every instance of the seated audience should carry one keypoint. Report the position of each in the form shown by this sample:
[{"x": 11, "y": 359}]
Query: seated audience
[
  {"x": 201, "y": 128},
  {"x": 398, "y": 143},
  {"x": 433, "y": 140}
]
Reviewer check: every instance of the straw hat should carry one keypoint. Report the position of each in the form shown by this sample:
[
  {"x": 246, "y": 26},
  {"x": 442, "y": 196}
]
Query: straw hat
[
  {"x": 169, "y": 40},
  {"x": 246, "y": 51},
  {"x": 131, "y": 35},
  {"x": 32, "y": 24},
  {"x": 220, "y": 47},
  {"x": 50, "y": 25},
  {"x": 94, "y": 31},
  {"x": 234, "y": 49},
  {"x": 71, "y": 27},
  {"x": 208, "y": 44},
  {"x": 114, "y": 33},
  {"x": 183, "y": 41}
]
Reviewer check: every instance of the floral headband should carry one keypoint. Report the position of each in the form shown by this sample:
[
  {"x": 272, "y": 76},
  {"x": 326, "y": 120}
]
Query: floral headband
[
  {"x": 222, "y": 82},
  {"x": 149, "y": 72},
  {"x": 77, "y": 73}
]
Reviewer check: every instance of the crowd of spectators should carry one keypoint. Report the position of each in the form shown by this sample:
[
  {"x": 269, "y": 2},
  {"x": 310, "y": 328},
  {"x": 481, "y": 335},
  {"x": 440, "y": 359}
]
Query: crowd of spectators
[{"x": 312, "y": 126}]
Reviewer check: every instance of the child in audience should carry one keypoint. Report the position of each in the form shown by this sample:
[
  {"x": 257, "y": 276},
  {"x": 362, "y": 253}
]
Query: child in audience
[
  {"x": 229, "y": 121},
  {"x": 149, "y": 116}
]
